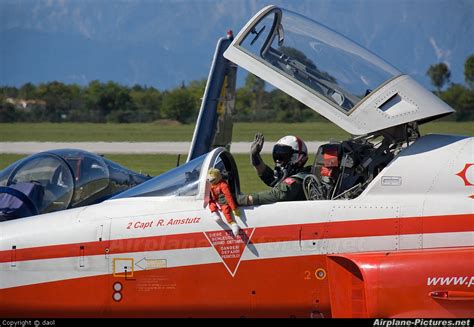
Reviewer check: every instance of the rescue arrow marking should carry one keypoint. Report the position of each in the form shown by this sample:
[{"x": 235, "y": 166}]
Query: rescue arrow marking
[
  {"x": 137, "y": 264},
  {"x": 230, "y": 248},
  {"x": 151, "y": 263}
]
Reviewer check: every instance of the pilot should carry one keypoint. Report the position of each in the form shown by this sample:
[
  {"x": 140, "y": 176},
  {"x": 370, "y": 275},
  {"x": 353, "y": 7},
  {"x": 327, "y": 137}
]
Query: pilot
[{"x": 286, "y": 179}]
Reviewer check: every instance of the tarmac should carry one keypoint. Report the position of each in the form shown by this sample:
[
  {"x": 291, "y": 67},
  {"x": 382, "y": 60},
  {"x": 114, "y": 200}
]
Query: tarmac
[{"x": 130, "y": 147}]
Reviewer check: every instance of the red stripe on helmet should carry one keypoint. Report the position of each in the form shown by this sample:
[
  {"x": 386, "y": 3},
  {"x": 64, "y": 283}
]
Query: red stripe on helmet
[{"x": 300, "y": 144}]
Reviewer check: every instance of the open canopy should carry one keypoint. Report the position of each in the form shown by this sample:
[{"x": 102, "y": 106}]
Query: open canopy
[{"x": 329, "y": 73}]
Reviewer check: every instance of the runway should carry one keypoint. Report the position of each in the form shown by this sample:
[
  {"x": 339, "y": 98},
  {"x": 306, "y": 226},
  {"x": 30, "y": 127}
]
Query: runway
[{"x": 129, "y": 147}]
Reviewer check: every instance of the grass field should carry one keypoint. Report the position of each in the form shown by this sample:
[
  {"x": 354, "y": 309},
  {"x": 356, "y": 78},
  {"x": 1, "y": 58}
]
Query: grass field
[{"x": 155, "y": 132}]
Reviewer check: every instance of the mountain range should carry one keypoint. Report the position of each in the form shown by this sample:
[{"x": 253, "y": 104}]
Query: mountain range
[{"x": 163, "y": 43}]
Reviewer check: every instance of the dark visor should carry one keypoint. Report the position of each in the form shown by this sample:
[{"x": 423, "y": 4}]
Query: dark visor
[{"x": 282, "y": 153}]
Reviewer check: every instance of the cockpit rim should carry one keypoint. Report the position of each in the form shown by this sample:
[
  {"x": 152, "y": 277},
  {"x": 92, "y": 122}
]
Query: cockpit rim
[{"x": 203, "y": 188}]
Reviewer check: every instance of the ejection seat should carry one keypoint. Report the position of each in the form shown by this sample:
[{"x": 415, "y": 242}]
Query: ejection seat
[
  {"x": 319, "y": 184},
  {"x": 336, "y": 172}
]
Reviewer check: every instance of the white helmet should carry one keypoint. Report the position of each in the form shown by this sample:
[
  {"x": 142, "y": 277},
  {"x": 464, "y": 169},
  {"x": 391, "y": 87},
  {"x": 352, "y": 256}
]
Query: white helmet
[{"x": 290, "y": 150}]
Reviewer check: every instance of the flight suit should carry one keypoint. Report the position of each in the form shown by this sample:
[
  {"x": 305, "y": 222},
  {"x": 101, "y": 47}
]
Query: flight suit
[{"x": 290, "y": 189}]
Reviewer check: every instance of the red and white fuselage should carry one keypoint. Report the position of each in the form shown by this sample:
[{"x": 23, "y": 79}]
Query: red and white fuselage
[
  {"x": 382, "y": 254},
  {"x": 404, "y": 247}
]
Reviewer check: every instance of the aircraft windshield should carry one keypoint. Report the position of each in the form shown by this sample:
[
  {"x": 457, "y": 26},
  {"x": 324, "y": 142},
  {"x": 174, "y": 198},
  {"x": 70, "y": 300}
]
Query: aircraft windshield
[
  {"x": 49, "y": 171},
  {"x": 90, "y": 173},
  {"x": 60, "y": 179},
  {"x": 321, "y": 60},
  {"x": 181, "y": 181}
]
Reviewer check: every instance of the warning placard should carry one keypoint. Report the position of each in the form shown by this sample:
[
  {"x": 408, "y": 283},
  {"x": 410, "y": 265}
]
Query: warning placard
[{"x": 230, "y": 248}]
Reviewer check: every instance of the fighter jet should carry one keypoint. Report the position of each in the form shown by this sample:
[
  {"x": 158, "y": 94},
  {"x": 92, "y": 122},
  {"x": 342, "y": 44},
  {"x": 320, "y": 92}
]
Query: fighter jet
[{"x": 387, "y": 229}]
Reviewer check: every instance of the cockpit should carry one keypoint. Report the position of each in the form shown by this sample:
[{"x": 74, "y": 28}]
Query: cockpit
[
  {"x": 60, "y": 179},
  {"x": 189, "y": 180}
]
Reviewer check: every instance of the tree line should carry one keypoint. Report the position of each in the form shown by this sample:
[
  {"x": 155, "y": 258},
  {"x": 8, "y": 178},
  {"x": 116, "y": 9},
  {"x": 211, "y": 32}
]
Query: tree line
[
  {"x": 98, "y": 102},
  {"x": 111, "y": 102},
  {"x": 458, "y": 96}
]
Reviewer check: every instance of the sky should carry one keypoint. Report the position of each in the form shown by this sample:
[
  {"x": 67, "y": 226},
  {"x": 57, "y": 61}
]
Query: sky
[{"x": 163, "y": 43}]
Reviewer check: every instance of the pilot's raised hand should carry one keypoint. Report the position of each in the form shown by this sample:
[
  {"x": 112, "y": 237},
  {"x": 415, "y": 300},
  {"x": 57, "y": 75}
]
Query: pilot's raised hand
[{"x": 256, "y": 148}]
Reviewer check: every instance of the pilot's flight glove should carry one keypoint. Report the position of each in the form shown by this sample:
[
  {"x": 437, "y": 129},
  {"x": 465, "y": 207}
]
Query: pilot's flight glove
[
  {"x": 242, "y": 199},
  {"x": 256, "y": 148}
]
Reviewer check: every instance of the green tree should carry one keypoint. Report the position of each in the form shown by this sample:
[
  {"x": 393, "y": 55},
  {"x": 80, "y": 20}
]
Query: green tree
[
  {"x": 148, "y": 103},
  {"x": 197, "y": 88},
  {"x": 59, "y": 98},
  {"x": 102, "y": 99},
  {"x": 7, "y": 113},
  {"x": 27, "y": 91},
  {"x": 243, "y": 104},
  {"x": 466, "y": 105},
  {"x": 255, "y": 89},
  {"x": 78, "y": 111},
  {"x": 179, "y": 105},
  {"x": 469, "y": 71},
  {"x": 439, "y": 75},
  {"x": 9, "y": 92},
  {"x": 288, "y": 109},
  {"x": 461, "y": 99}
]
